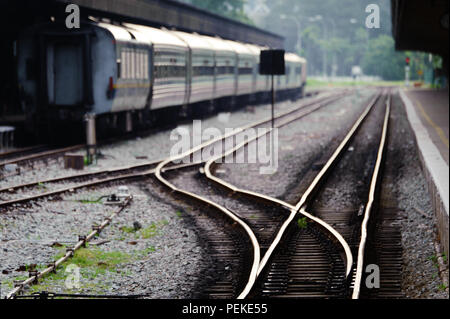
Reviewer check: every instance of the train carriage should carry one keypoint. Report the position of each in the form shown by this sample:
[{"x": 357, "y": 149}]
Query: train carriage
[
  {"x": 225, "y": 68},
  {"x": 170, "y": 64},
  {"x": 244, "y": 68},
  {"x": 126, "y": 74},
  {"x": 201, "y": 68}
]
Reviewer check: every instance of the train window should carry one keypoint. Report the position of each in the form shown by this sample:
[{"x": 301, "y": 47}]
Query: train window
[
  {"x": 203, "y": 70},
  {"x": 133, "y": 64},
  {"x": 244, "y": 71},
  {"x": 129, "y": 65},
  {"x": 123, "y": 67},
  {"x": 221, "y": 70},
  {"x": 141, "y": 68},
  {"x": 298, "y": 70},
  {"x": 138, "y": 65},
  {"x": 126, "y": 65},
  {"x": 145, "y": 65},
  {"x": 119, "y": 69}
]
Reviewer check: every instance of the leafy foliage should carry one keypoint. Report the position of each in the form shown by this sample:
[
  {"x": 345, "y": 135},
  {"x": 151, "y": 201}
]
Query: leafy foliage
[
  {"x": 233, "y": 9},
  {"x": 333, "y": 34}
]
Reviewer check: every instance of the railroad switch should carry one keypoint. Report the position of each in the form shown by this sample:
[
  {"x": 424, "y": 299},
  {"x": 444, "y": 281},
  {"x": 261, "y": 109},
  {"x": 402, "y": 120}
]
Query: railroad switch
[
  {"x": 123, "y": 192},
  {"x": 113, "y": 199},
  {"x": 118, "y": 198}
]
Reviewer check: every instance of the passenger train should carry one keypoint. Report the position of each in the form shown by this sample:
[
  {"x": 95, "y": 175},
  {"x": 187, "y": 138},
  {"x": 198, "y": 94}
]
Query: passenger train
[{"x": 130, "y": 75}]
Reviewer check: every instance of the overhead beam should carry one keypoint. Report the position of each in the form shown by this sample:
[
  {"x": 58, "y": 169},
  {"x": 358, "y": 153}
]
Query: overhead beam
[
  {"x": 172, "y": 14},
  {"x": 421, "y": 25}
]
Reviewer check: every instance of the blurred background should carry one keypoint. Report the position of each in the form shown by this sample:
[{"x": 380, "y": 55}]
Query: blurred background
[{"x": 333, "y": 37}]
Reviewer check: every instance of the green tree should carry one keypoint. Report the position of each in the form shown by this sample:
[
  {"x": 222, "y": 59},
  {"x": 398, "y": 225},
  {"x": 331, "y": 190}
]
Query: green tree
[
  {"x": 382, "y": 60},
  {"x": 233, "y": 9}
]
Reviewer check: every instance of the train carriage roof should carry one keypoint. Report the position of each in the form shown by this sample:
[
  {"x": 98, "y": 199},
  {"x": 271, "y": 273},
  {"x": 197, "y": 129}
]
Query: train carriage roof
[
  {"x": 118, "y": 32},
  {"x": 218, "y": 44},
  {"x": 154, "y": 36},
  {"x": 292, "y": 57},
  {"x": 193, "y": 40},
  {"x": 240, "y": 48}
]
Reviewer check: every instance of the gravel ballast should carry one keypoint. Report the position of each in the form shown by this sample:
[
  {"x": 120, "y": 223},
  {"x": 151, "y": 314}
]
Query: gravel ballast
[{"x": 151, "y": 247}]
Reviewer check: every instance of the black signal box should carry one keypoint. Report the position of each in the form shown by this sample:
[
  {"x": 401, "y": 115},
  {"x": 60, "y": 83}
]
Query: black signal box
[{"x": 271, "y": 62}]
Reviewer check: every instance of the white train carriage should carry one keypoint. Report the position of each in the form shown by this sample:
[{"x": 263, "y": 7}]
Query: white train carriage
[
  {"x": 111, "y": 70},
  {"x": 225, "y": 68},
  {"x": 68, "y": 74},
  {"x": 170, "y": 64},
  {"x": 129, "y": 63},
  {"x": 293, "y": 71},
  {"x": 201, "y": 67},
  {"x": 303, "y": 74},
  {"x": 261, "y": 82},
  {"x": 245, "y": 67}
]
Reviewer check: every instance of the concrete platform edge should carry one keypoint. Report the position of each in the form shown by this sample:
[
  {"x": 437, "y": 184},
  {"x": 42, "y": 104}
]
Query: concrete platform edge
[{"x": 435, "y": 168}]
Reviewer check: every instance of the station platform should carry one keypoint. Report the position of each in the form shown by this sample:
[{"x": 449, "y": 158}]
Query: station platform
[{"x": 428, "y": 114}]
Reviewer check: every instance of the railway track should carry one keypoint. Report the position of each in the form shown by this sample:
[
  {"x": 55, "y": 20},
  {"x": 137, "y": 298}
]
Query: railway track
[
  {"x": 263, "y": 228},
  {"x": 315, "y": 260},
  {"x": 218, "y": 289},
  {"x": 82, "y": 180},
  {"x": 40, "y": 155},
  {"x": 29, "y": 157},
  {"x": 15, "y": 153},
  {"x": 261, "y": 241}
]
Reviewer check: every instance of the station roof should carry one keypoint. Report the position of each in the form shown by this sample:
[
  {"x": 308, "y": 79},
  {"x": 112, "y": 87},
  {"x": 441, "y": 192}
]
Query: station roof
[
  {"x": 174, "y": 14},
  {"x": 421, "y": 25}
]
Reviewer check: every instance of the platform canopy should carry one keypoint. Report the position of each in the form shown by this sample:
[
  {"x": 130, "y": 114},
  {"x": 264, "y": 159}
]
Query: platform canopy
[
  {"x": 421, "y": 25},
  {"x": 173, "y": 14}
]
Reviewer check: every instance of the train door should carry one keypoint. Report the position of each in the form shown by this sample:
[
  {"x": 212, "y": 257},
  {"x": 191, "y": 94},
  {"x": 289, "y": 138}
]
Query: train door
[
  {"x": 66, "y": 71},
  {"x": 65, "y": 74}
]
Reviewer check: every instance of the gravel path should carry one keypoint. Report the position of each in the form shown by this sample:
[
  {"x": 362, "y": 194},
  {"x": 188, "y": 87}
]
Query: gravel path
[{"x": 420, "y": 275}]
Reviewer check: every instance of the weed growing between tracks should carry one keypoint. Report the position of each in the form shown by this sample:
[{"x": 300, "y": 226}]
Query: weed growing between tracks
[
  {"x": 154, "y": 229},
  {"x": 92, "y": 261}
]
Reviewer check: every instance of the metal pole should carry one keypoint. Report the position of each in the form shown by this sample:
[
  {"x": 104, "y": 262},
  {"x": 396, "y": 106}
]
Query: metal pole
[
  {"x": 273, "y": 104},
  {"x": 91, "y": 138},
  {"x": 407, "y": 75}
]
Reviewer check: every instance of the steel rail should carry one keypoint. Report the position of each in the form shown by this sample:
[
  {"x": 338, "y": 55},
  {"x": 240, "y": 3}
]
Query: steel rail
[
  {"x": 369, "y": 205},
  {"x": 41, "y": 154},
  {"x": 69, "y": 252},
  {"x": 256, "y": 248},
  {"x": 299, "y": 207},
  {"x": 302, "y": 203},
  {"x": 47, "y": 153},
  {"x": 160, "y": 168},
  {"x": 92, "y": 183},
  {"x": 254, "y": 241},
  {"x": 19, "y": 151},
  {"x": 79, "y": 175},
  {"x": 324, "y": 99}
]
